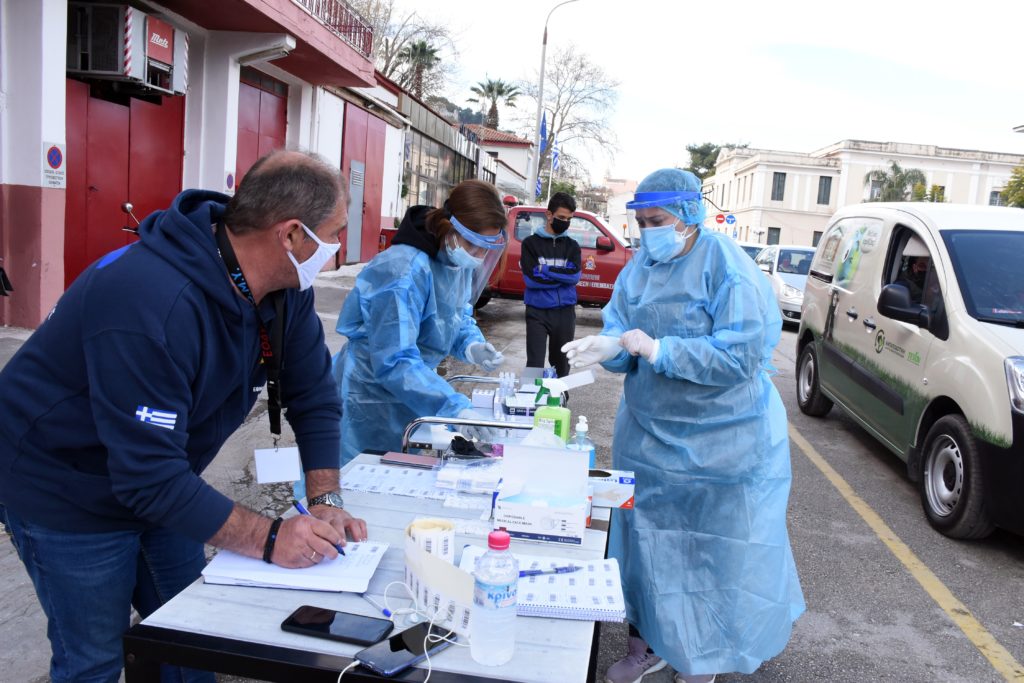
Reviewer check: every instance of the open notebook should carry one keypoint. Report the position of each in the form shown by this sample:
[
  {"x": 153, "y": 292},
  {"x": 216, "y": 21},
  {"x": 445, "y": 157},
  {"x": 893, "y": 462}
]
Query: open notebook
[
  {"x": 349, "y": 573},
  {"x": 594, "y": 593}
]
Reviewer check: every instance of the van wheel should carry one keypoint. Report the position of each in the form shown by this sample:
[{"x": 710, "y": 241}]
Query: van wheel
[
  {"x": 952, "y": 481},
  {"x": 808, "y": 392}
]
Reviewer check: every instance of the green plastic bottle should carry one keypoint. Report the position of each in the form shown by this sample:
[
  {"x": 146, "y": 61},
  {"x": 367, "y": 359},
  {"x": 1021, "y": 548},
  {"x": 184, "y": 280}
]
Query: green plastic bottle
[{"x": 561, "y": 417}]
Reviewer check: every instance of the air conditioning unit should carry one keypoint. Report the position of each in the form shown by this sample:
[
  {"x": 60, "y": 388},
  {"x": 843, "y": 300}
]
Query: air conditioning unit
[{"x": 118, "y": 42}]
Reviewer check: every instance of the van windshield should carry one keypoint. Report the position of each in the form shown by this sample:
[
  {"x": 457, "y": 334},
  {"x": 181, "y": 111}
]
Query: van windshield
[{"x": 987, "y": 264}]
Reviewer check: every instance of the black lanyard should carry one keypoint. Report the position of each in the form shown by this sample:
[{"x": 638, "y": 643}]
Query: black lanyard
[{"x": 272, "y": 342}]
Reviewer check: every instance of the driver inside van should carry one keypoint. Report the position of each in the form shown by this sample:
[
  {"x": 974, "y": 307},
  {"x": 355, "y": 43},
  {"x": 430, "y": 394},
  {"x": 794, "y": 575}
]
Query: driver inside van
[{"x": 914, "y": 273}]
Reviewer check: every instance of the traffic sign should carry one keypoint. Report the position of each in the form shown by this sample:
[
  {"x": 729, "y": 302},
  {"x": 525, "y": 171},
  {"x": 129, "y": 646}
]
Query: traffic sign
[
  {"x": 735, "y": 234},
  {"x": 730, "y": 219},
  {"x": 720, "y": 218}
]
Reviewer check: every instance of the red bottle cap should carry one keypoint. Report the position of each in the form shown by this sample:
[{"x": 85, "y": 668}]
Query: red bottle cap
[{"x": 498, "y": 540}]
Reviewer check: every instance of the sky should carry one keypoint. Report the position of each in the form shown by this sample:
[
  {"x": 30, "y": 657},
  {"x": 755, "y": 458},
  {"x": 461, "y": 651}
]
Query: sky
[{"x": 790, "y": 75}]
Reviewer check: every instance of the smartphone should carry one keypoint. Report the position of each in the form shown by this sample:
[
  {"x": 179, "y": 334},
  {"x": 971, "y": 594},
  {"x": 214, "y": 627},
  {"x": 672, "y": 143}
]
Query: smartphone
[
  {"x": 335, "y": 625},
  {"x": 404, "y": 649}
]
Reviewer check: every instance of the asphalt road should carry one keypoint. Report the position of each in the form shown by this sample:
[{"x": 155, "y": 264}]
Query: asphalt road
[{"x": 869, "y": 616}]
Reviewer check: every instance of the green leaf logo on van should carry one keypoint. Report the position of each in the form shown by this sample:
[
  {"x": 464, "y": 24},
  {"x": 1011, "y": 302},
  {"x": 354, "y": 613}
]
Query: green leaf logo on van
[{"x": 879, "y": 341}]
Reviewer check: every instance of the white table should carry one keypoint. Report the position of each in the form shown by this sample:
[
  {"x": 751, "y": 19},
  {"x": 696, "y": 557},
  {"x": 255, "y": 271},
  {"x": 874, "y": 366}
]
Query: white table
[{"x": 237, "y": 629}]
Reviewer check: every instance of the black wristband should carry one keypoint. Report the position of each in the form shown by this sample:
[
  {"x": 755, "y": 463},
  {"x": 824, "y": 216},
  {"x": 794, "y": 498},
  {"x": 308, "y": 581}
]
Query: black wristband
[{"x": 268, "y": 547}]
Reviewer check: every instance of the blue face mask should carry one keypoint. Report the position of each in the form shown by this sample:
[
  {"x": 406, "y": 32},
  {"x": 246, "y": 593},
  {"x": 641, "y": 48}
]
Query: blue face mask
[
  {"x": 460, "y": 258},
  {"x": 663, "y": 242}
]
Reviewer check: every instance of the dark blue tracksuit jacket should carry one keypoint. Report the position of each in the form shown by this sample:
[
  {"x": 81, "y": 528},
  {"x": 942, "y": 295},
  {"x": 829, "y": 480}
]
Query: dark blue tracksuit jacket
[{"x": 147, "y": 364}]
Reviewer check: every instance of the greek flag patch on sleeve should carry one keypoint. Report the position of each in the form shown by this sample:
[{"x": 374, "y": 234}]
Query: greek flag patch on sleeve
[{"x": 160, "y": 418}]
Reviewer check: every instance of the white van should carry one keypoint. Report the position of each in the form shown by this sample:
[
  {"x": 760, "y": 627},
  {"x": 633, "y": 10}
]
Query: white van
[{"x": 913, "y": 323}]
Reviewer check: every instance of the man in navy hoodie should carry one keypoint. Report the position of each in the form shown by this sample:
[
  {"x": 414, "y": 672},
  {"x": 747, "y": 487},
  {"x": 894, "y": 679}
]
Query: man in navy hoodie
[
  {"x": 146, "y": 365},
  {"x": 551, "y": 268}
]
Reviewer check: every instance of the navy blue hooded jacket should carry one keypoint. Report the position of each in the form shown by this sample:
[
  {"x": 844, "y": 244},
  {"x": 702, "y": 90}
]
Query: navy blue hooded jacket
[
  {"x": 551, "y": 269},
  {"x": 153, "y": 329}
]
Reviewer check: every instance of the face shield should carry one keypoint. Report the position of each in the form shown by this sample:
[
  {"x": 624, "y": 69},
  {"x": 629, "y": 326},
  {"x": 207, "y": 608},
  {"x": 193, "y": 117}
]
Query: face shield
[
  {"x": 486, "y": 248},
  {"x": 685, "y": 205}
]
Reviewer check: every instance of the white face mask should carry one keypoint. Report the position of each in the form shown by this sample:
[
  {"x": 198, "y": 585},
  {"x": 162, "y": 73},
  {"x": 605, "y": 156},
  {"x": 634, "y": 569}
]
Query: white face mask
[{"x": 309, "y": 268}]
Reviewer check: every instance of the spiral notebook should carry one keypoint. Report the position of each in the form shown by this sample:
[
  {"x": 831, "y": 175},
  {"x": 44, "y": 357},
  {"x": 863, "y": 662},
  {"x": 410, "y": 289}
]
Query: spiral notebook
[{"x": 594, "y": 593}]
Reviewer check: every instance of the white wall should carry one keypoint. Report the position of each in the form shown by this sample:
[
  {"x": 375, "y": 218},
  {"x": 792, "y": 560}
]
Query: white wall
[
  {"x": 33, "y": 59},
  {"x": 329, "y": 123},
  {"x": 394, "y": 162}
]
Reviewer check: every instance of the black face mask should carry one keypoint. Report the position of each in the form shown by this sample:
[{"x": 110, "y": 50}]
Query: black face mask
[{"x": 559, "y": 225}]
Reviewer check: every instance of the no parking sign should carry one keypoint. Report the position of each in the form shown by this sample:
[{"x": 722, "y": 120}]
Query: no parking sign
[{"x": 54, "y": 169}]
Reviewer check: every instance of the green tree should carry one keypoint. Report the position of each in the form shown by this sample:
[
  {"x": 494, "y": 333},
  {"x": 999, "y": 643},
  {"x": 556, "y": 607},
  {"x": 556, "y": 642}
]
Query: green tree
[
  {"x": 704, "y": 156},
  {"x": 420, "y": 57},
  {"x": 895, "y": 183},
  {"x": 1013, "y": 194},
  {"x": 494, "y": 91}
]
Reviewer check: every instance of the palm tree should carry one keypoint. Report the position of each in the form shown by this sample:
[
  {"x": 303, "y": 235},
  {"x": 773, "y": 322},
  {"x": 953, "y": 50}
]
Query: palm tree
[
  {"x": 421, "y": 57},
  {"x": 895, "y": 183},
  {"x": 494, "y": 91}
]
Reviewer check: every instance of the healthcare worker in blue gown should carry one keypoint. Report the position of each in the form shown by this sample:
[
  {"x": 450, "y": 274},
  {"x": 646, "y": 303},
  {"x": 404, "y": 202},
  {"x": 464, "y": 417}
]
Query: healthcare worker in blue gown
[
  {"x": 412, "y": 306},
  {"x": 707, "y": 570}
]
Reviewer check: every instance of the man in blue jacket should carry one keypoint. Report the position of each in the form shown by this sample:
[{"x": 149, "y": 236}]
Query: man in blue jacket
[
  {"x": 551, "y": 268},
  {"x": 112, "y": 409}
]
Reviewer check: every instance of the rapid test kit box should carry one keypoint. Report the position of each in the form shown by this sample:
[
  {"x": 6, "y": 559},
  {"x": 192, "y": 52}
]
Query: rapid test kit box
[
  {"x": 544, "y": 494},
  {"x": 613, "y": 488}
]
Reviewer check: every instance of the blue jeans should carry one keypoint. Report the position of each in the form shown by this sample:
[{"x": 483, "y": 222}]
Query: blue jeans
[{"x": 87, "y": 583}]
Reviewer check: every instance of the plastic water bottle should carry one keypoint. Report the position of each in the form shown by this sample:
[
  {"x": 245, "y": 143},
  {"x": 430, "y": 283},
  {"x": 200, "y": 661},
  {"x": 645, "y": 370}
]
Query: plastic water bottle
[
  {"x": 492, "y": 626},
  {"x": 582, "y": 442}
]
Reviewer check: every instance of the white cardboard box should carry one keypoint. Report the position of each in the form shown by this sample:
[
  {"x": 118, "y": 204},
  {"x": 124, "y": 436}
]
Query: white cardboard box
[
  {"x": 544, "y": 494},
  {"x": 615, "y": 490}
]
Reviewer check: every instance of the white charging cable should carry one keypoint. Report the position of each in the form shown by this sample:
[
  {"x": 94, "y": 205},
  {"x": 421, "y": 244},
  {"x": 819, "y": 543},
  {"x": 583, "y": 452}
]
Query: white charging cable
[{"x": 414, "y": 614}]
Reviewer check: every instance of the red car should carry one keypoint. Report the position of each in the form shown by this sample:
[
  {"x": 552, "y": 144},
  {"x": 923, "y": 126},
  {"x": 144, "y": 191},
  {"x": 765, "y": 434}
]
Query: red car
[{"x": 603, "y": 251}]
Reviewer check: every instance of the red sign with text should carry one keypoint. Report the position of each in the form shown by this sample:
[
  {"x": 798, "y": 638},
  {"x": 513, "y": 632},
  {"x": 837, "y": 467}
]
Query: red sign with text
[{"x": 159, "y": 40}]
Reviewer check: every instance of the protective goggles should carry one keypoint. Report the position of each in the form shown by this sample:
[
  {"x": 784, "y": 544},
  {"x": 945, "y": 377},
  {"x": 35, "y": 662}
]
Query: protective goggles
[
  {"x": 478, "y": 244},
  {"x": 647, "y": 200}
]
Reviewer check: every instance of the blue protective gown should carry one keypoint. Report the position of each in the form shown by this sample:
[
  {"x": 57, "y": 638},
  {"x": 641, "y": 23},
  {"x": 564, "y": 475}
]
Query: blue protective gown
[
  {"x": 708, "y": 573},
  {"x": 407, "y": 312}
]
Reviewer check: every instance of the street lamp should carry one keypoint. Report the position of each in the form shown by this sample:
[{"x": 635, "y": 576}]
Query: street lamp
[{"x": 531, "y": 182}]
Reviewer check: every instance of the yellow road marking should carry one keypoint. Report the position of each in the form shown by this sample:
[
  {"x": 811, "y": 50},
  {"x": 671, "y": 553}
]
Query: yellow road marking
[{"x": 997, "y": 655}]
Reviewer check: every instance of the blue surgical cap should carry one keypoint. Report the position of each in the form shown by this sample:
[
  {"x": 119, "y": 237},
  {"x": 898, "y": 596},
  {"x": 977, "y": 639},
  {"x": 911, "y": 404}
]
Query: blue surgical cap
[{"x": 674, "y": 190}]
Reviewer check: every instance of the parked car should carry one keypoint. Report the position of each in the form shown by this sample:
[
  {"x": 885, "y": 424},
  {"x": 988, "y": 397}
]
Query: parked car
[
  {"x": 786, "y": 266},
  {"x": 913, "y": 323},
  {"x": 604, "y": 253},
  {"x": 752, "y": 248}
]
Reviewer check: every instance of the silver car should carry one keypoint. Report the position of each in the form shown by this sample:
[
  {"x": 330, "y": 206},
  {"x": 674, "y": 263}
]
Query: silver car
[{"x": 786, "y": 266}]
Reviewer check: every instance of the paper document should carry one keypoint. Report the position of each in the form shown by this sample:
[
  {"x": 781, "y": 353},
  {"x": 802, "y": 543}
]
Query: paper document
[
  {"x": 351, "y": 572},
  {"x": 392, "y": 480},
  {"x": 594, "y": 593}
]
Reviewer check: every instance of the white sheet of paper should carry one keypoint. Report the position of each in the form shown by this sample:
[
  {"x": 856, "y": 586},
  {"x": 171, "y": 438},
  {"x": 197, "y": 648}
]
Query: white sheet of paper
[
  {"x": 351, "y": 572},
  {"x": 277, "y": 464}
]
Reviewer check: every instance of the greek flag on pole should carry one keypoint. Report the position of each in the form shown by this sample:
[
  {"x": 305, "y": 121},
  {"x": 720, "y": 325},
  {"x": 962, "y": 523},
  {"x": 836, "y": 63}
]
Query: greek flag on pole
[
  {"x": 555, "y": 153},
  {"x": 543, "y": 133},
  {"x": 539, "y": 188},
  {"x": 160, "y": 418}
]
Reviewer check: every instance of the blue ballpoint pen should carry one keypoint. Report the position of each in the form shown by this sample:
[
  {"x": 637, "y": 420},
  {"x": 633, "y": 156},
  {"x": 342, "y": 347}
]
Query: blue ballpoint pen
[
  {"x": 303, "y": 511},
  {"x": 554, "y": 570}
]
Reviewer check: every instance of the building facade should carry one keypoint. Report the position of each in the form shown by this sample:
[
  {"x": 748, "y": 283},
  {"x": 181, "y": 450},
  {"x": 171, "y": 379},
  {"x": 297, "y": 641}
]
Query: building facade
[
  {"x": 512, "y": 155},
  {"x": 108, "y": 104},
  {"x": 788, "y": 197}
]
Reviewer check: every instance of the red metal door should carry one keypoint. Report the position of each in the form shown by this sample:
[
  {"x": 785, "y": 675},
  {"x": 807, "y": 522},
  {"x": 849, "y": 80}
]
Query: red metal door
[
  {"x": 106, "y": 178},
  {"x": 262, "y": 118},
  {"x": 248, "y": 129},
  {"x": 376, "y": 130},
  {"x": 156, "y": 154},
  {"x": 77, "y": 113},
  {"x": 116, "y": 154},
  {"x": 353, "y": 148}
]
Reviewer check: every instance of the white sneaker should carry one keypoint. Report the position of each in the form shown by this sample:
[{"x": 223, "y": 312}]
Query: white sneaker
[
  {"x": 702, "y": 678},
  {"x": 634, "y": 666}
]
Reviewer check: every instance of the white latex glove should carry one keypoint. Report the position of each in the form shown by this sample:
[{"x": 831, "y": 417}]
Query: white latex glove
[
  {"x": 485, "y": 355},
  {"x": 639, "y": 343},
  {"x": 483, "y": 434},
  {"x": 596, "y": 348}
]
